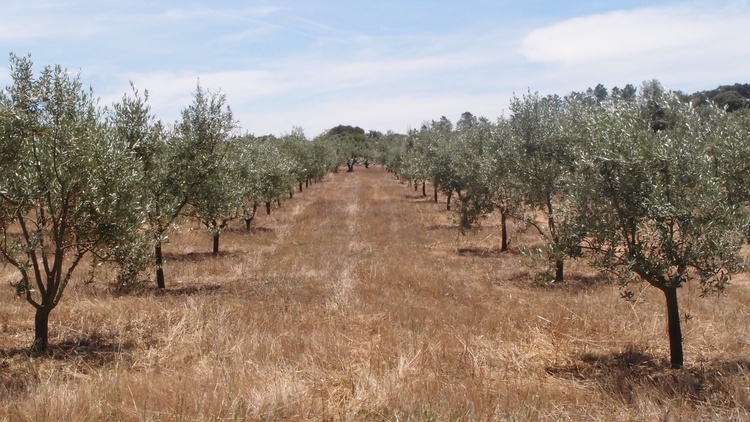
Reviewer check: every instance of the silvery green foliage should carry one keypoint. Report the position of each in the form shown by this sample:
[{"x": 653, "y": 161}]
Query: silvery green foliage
[
  {"x": 438, "y": 158},
  {"x": 655, "y": 204},
  {"x": 138, "y": 131},
  {"x": 67, "y": 185},
  {"x": 545, "y": 144},
  {"x": 208, "y": 161},
  {"x": 320, "y": 159},
  {"x": 268, "y": 173},
  {"x": 327, "y": 153},
  {"x": 727, "y": 135},
  {"x": 471, "y": 162},
  {"x": 390, "y": 149},
  {"x": 296, "y": 150}
]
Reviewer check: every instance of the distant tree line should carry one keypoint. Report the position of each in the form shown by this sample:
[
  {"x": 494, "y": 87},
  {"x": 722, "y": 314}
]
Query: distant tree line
[{"x": 731, "y": 97}]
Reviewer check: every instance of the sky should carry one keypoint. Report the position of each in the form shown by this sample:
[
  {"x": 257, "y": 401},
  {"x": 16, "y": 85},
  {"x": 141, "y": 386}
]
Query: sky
[{"x": 381, "y": 65}]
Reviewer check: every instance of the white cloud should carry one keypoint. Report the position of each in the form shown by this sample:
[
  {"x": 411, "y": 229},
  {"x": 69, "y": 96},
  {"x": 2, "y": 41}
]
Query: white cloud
[
  {"x": 312, "y": 92},
  {"x": 633, "y": 33},
  {"x": 91, "y": 18},
  {"x": 690, "y": 46}
]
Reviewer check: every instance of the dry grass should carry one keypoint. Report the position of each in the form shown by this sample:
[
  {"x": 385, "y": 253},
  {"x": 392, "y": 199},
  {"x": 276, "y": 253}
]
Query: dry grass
[{"x": 359, "y": 301}]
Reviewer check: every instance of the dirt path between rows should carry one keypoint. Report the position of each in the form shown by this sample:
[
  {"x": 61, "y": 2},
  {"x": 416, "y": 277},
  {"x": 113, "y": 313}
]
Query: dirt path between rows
[{"x": 345, "y": 234}]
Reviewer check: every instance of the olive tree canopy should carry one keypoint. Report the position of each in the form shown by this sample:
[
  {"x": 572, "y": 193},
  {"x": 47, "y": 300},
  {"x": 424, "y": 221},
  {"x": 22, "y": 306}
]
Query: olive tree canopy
[{"x": 67, "y": 186}]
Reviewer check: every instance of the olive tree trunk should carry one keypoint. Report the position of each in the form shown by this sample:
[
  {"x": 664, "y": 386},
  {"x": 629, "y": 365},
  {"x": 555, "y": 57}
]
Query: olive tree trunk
[
  {"x": 159, "y": 261},
  {"x": 504, "y": 232},
  {"x": 673, "y": 326},
  {"x": 41, "y": 331},
  {"x": 216, "y": 244},
  {"x": 559, "y": 270}
]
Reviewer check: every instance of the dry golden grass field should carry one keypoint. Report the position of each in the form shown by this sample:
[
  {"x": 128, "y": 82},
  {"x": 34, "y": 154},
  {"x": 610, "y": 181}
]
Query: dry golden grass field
[{"x": 358, "y": 300}]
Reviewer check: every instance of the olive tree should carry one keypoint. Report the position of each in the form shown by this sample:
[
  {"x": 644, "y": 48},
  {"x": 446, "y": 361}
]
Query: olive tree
[
  {"x": 295, "y": 148},
  {"x": 495, "y": 186},
  {"x": 269, "y": 167},
  {"x": 250, "y": 174},
  {"x": 389, "y": 151},
  {"x": 209, "y": 161},
  {"x": 470, "y": 161},
  {"x": 162, "y": 188},
  {"x": 217, "y": 199},
  {"x": 727, "y": 135},
  {"x": 176, "y": 162},
  {"x": 268, "y": 174},
  {"x": 423, "y": 153},
  {"x": 652, "y": 204},
  {"x": 319, "y": 160},
  {"x": 414, "y": 159},
  {"x": 545, "y": 149},
  {"x": 351, "y": 144},
  {"x": 68, "y": 186},
  {"x": 327, "y": 153}
]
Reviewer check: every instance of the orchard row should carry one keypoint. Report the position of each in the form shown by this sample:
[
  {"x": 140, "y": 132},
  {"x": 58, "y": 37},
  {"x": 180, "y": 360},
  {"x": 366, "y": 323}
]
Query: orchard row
[{"x": 648, "y": 186}]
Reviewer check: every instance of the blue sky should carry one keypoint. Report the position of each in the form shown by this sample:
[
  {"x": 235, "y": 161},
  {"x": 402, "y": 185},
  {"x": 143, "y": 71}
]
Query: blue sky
[{"x": 383, "y": 65}]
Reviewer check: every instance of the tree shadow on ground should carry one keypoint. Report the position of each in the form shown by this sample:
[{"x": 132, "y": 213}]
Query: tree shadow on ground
[
  {"x": 96, "y": 349},
  {"x": 85, "y": 353},
  {"x": 419, "y": 198},
  {"x": 186, "y": 290},
  {"x": 573, "y": 283},
  {"x": 442, "y": 227},
  {"x": 634, "y": 374},
  {"x": 480, "y": 252},
  {"x": 148, "y": 287},
  {"x": 197, "y": 256},
  {"x": 253, "y": 230}
]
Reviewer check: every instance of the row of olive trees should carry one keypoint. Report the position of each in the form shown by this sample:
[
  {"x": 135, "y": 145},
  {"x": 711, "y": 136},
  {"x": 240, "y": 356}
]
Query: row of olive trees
[
  {"x": 202, "y": 170},
  {"x": 648, "y": 186},
  {"x": 79, "y": 181}
]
